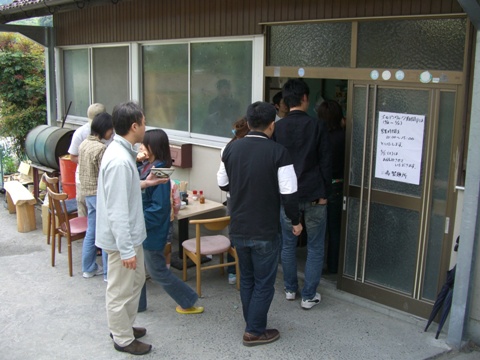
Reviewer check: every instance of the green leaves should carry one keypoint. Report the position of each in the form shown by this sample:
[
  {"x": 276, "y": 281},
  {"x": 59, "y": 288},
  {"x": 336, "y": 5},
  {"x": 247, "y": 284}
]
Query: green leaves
[{"x": 22, "y": 88}]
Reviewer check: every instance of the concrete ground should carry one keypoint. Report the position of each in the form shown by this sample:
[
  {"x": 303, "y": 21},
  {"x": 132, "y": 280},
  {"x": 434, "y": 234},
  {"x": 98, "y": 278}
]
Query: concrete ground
[{"x": 45, "y": 314}]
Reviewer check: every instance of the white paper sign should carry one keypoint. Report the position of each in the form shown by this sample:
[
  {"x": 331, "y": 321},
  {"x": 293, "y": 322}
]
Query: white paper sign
[{"x": 399, "y": 147}]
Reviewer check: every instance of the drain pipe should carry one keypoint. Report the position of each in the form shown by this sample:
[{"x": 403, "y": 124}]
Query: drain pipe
[{"x": 465, "y": 276}]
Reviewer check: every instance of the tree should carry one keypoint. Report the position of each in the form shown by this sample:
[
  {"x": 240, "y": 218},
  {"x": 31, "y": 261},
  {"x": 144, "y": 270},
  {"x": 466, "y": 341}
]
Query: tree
[{"x": 22, "y": 89}]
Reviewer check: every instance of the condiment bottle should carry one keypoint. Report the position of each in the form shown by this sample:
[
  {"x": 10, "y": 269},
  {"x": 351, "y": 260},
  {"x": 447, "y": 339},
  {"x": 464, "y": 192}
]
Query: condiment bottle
[
  {"x": 202, "y": 198},
  {"x": 194, "y": 195}
]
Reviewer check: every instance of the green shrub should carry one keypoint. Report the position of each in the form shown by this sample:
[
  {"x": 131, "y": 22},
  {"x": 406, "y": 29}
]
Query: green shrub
[{"x": 22, "y": 89}]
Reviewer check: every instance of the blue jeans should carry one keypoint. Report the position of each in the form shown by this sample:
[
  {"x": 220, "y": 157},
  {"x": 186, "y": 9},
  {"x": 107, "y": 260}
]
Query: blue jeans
[
  {"x": 173, "y": 286},
  {"x": 258, "y": 269},
  {"x": 89, "y": 250},
  {"x": 315, "y": 222}
]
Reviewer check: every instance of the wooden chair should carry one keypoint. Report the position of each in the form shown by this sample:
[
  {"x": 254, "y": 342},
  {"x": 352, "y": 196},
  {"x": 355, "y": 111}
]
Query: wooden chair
[
  {"x": 209, "y": 245},
  {"x": 72, "y": 229},
  {"x": 71, "y": 204}
]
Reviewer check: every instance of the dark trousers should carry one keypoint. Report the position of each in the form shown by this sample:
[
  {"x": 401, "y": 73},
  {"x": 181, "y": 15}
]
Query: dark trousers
[{"x": 258, "y": 270}]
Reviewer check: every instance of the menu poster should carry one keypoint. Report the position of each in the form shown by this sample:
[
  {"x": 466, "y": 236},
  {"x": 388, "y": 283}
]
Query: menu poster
[{"x": 399, "y": 147}]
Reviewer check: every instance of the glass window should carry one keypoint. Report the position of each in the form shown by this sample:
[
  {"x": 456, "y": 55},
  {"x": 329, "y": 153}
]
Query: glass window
[
  {"x": 316, "y": 45},
  {"x": 392, "y": 248},
  {"x": 111, "y": 76},
  {"x": 221, "y": 85},
  {"x": 436, "y": 44},
  {"x": 195, "y": 87},
  {"x": 76, "y": 81},
  {"x": 165, "y": 85}
]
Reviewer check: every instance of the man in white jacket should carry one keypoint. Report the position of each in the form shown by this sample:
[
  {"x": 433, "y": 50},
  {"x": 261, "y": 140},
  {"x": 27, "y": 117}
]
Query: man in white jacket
[{"x": 120, "y": 227}]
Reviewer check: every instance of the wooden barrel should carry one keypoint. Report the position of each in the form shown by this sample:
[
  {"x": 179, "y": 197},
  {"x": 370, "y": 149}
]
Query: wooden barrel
[{"x": 45, "y": 144}]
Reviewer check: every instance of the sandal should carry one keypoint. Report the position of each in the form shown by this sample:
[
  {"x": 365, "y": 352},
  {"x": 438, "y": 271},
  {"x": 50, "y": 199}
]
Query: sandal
[{"x": 192, "y": 310}]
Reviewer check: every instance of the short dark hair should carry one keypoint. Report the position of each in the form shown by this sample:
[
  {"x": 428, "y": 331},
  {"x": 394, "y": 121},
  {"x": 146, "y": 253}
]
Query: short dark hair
[
  {"x": 124, "y": 115},
  {"x": 277, "y": 98},
  {"x": 293, "y": 91},
  {"x": 332, "y": 113},
  {"x": 260, "y": 115},
  {"x": 156, "y": 141},
  {"x": 101, "y": 123}
]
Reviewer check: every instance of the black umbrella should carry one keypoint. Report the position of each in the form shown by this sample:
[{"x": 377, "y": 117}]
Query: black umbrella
[
  {"x": 443, "y": 295},
  {"x": 444, "y": 298},
  {"x": 447, "y": 304}
]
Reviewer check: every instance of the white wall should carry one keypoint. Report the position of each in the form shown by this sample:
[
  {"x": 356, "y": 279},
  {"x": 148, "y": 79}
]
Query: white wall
[{"x": 203, "y": 174}]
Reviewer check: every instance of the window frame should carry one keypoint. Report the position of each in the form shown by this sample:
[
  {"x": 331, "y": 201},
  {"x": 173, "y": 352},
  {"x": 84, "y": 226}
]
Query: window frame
[{"x": 136, "y": 80}]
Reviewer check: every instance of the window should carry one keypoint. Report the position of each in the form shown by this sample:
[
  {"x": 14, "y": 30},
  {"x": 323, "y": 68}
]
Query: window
[
  {"x": 190, "y": 88},
  {"x": 220, "y": 78},
  {"x": 111, "y": 85},
  {"x": 76, "y": 84},
  {"x": 165, "y": 85},
  {"x": 221, "y": 85},
  {"x": 103, "y": 78}
]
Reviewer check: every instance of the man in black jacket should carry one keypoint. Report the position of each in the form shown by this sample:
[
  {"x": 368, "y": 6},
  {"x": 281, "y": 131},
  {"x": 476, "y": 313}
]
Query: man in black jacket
[
  {"x": 259, "y": 175},
  {"x": 307, "y": 140}
]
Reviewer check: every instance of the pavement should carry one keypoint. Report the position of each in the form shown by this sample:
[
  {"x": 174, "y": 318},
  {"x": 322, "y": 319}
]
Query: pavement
[{"x": 46, "y": 314}]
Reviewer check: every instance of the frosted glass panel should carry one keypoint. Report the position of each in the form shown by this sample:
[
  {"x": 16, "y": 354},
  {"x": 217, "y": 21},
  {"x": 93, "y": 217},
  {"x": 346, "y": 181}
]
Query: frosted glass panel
[
  {"x": 322, "y": 45},
  {"x": 352, "y": 236},
  {"x": 221, "y": 85},
  {"x": 401, "y": 101},
  {"x": 111, "y": 76},
  {"x": 76, "y": 81},
  {"x": 392, "y": 247},
  {"x": 440, "y": 191},
  {"x": 436, "y": 44},
  {"x": 359, "y": 107},
  {"x": 165, "y": 86}
]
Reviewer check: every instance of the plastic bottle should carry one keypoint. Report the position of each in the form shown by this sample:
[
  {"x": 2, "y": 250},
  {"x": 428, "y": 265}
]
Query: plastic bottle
[
  {"x": 201, "y": 198},
  {"x": 194, "y": 195}
]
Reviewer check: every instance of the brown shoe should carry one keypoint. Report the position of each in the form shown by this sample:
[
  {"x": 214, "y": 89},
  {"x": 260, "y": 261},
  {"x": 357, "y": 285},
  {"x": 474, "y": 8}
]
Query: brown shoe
[
  {"x": 270, "y": 335},
  {"x": 138, "y": 332},
  {"x": 135, "y": 348}
]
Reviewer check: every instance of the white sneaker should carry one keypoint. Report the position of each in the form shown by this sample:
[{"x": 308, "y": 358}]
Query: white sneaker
[
  {"x": 290, "y": 295},
  {"x": 308, "y": 304},
  {"x": 88, "y": 275},
  {"x": 232, "y": 279}
]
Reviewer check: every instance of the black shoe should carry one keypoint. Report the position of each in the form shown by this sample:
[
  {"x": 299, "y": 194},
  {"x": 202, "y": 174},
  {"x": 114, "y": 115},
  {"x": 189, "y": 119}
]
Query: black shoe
[
  {"x": 270, "y": 335},
  {"x": 138, "y": 332},
  {"x": 135, "y": 348}
]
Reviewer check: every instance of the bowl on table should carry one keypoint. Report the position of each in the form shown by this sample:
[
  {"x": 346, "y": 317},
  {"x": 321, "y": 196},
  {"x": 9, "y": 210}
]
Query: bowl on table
[{"x": 162, "y": 172}]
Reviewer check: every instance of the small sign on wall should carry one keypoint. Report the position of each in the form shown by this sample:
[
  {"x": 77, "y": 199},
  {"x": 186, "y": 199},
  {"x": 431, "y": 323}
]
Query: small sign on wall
[{"x": 399, "y": 147}]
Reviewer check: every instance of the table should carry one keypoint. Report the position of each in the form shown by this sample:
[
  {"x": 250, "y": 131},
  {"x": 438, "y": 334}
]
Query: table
[
  {"x": 193, "y": 208},
  {"x": 36, "y": 178}
]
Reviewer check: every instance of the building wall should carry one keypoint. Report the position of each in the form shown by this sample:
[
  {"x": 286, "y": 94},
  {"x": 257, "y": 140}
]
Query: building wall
[
  {"x": 143, "y": 20},
  {"x": 473, "y": 320}
]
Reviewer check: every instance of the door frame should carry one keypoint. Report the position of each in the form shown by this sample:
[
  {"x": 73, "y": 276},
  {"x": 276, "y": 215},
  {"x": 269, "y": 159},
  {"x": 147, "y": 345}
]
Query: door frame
[{"x": 406, "y": 302}]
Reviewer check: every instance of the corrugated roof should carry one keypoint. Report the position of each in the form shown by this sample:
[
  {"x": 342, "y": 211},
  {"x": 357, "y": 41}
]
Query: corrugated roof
[{"x": 24, "y": 9}]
